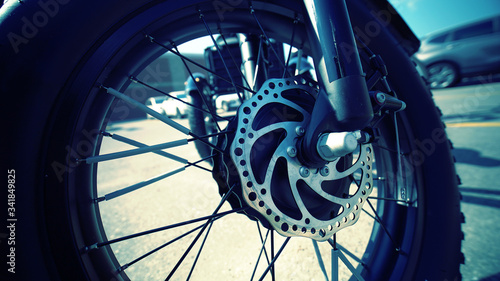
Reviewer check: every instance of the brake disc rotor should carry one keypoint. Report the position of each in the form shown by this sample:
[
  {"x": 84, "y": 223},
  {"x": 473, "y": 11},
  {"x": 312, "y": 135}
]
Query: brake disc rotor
[{"x": 295, "y": 200}]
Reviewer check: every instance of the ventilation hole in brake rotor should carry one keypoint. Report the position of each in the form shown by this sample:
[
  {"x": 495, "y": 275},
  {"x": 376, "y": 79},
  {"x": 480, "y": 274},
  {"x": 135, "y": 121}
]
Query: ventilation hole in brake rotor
[
  {"x": 272, "y": 85},
  {"x": 252, "y": 196},
  {"x": 245, "y": 174},
  {"x": 269, "y": 212},
  {"x": 254, "y": 104},
  {"x": 294, "y": 228},
  {"x": 243, "y": 130},
  {"x": 247, "y": 110},
  {"x": 335, "y": 188},
  {"x": 322, "y": 233},
  {"x": 281, "y": 191},
  {"x": 318, "y": 206},
  {"x": 300, "y": 97},
  {"x": 262, "y": 152},
  {"x": 249, "y": 184},
  {"x": 238, "y": 151},
  {"x": 276, "y": 218},
  {"x": 273, "y": 113},
  {"x": 344, "y": 163},
  {"x": 261, "y": 203},
  {"x": 284, "y": 227}
]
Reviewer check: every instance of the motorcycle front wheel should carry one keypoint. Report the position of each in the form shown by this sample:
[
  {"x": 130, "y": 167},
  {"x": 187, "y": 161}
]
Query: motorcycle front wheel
[{"x": 90, "y": 209}]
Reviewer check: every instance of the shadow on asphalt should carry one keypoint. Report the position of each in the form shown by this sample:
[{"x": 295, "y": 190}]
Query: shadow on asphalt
[
  {"x": 474, "y": 157},
  {"x": 483, "y": 197},
  {"x": 495, "y": 277}
]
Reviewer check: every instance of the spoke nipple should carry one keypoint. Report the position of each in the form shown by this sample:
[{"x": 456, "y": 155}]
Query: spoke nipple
[
  {"x": 325, "y": 171},
  {"x": 106, "y": 134},
  {"x": 291, "y": 151},
  {"x": 300, "y": 131},
  {"x": 304, "y": 172}
]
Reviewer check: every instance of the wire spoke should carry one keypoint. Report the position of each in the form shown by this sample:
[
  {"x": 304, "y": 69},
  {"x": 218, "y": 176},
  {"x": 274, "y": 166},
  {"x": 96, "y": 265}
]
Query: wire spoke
[
  {"x": 349, "y": 253},
  {"x": 271, "y": 265},
  {"x": 202, "y": 17},
  {"x": 290, "y": 51},
  {"x": 252, "y": 11},
  {"x": 199, "y": 251},
  {"x": 202, "y": 95},
  {"x": 133, "y": 152},
  {"x": 147, "y": 232},
  {"x": 262, "y": 250},
  {"x": 390, "y": 199},
  {"x": 179, "y": 262},
  {"x": 136, "y": 80},
  {"x": 379, "y": 220},
  {"x": 153, "y": 40},
  {"x": 125, "y": 266},
  {"x": 237, "y": 65},
  {"x": 320, "y": 259},
  {"x": 150, "y": 181},
  {"x": 139, "y": 144},
  {"x": 147, "y": 110}
]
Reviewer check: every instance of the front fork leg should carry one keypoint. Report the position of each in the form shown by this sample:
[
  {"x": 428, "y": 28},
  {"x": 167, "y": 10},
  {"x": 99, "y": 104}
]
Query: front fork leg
[{"x": 343, "y": 104}]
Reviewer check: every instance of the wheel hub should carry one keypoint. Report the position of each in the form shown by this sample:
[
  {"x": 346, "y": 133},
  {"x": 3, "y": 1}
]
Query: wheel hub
[{"x": 284, "y": 194}]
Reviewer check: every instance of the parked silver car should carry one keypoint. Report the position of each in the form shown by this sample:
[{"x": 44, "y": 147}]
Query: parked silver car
[{"x": 468, "y": 50}]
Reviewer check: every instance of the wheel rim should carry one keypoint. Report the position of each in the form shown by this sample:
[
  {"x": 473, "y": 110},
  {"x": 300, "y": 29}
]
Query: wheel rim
[
  {"x": 96, "y": 248},
  {"x": 442, "y": 75}
]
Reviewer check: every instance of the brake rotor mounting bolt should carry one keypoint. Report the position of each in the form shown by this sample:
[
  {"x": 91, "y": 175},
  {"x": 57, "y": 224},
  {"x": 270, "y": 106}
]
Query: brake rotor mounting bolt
[
  {"x": 300, "y": 131},
  {"x": 325, "y": 171},
  {"x": 291, "y": 151},
  {"x": 304, "y": 172}
]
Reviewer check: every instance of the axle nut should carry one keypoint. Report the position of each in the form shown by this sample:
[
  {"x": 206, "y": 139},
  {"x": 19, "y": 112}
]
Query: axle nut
[{"x": 334, "y": 145}]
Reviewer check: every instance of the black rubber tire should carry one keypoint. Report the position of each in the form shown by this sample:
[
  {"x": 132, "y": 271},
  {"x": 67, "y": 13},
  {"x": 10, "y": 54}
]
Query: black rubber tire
[
  {"x": 198, "y": 120},
  {"x": 50, "y": 77}
]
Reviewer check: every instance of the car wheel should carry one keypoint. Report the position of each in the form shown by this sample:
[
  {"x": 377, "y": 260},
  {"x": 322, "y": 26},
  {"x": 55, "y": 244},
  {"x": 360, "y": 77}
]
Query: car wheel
[{"x": 442, "y": 75}]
